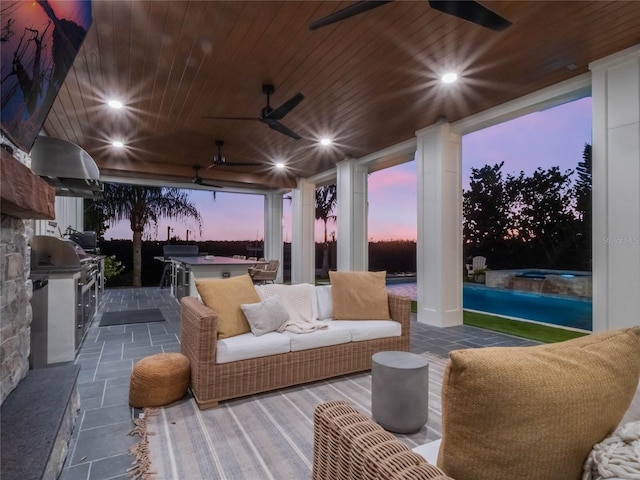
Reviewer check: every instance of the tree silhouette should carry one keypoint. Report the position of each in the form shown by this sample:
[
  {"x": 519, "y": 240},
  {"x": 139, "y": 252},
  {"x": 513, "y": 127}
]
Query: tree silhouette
[
  {"x": 542, "y": 212},
  {"x": 143, "y": 206},
  {"x": 538, "y": 220},
  {"x": 486, "y": 212},
  {"x": 583, "y": 195},
  {"x": 326, "y": 200}
]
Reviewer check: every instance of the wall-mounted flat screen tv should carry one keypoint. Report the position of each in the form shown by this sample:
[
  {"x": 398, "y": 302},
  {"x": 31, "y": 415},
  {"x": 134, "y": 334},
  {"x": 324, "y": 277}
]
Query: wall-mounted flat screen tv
[{"x": 39, "y": 42}]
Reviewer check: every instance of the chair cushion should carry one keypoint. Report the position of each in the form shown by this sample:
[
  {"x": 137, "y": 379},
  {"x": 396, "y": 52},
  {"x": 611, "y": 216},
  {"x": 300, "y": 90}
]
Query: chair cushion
[
  {"x": 319, "y": 338},
  {"x": 534, "y": 413},
  {"x": 247, "y": 345},
  {"x": 224, "y": 296},
  {"x": 359, "y": 296},
  {"x": 266, "y": 316},
  {"x": 325, "y": 303},
  {"x": 368, "y": 329},
  {"x": 429, "y": 451}
]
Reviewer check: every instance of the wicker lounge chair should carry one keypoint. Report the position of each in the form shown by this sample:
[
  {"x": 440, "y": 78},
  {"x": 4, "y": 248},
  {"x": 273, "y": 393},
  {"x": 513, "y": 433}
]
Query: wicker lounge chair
[{"x": 265, "y": 273}]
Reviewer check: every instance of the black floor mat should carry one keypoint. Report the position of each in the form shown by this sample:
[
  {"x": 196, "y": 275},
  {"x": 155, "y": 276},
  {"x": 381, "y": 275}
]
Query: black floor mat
[{"x": 131, "y": 316}]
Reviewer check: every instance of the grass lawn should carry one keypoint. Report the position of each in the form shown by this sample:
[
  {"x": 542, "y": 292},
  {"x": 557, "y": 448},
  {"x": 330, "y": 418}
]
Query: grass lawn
[{"x": 532, "y": 331}]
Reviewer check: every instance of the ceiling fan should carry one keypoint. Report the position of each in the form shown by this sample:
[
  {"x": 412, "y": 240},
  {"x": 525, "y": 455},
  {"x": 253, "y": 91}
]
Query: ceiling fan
[
  {"x": 220, "y": 160},
  {"x": 467, "y": 10},
  {"x": 272, "y": 116}
]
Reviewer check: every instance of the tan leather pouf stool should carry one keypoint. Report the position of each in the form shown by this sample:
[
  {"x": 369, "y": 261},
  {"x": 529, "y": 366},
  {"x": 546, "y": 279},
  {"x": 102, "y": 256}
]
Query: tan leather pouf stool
[{"x": 158, "y": 380}]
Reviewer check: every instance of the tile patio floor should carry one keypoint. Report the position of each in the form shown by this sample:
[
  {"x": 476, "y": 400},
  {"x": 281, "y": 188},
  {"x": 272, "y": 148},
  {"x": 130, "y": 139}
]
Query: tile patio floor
[{"x": 99, "y": 444}]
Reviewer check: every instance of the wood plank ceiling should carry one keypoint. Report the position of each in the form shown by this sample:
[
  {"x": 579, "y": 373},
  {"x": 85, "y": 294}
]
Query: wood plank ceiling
[{"x": 369, "y": 82}]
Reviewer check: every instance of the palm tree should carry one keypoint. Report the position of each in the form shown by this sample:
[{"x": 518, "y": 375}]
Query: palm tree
[
  {"x": 326, "y": 199},
  {"x": 143, "y": 206}
]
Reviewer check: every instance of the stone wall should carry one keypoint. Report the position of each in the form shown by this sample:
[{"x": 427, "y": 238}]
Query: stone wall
[
  {"x": 16, "y": 290},
  {"x": 580, "y": 285},
  {"x": 15, "y": 307}
]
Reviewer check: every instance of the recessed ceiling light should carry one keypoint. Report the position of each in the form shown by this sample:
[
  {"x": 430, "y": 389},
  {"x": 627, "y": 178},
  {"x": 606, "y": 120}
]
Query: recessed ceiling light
[
  {"x": 117, "y": 144},
  {"x": 115, "y": 104},
  {"x": 325, "y": 141},
  {"x": 449, "y": 77}
]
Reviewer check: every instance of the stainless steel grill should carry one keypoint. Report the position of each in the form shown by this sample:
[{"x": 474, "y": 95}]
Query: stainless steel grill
[{"x": 73, "y": 273}]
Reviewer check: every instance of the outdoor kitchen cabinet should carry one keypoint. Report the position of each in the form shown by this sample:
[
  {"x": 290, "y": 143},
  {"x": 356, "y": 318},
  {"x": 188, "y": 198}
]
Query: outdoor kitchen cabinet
[{"x": 64, "y": 306}]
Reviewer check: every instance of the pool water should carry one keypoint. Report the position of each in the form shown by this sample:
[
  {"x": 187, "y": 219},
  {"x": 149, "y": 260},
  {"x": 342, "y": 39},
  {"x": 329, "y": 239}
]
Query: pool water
[
  {"x": 553, "y": 309},
  {"x": 558, "y": 310}
]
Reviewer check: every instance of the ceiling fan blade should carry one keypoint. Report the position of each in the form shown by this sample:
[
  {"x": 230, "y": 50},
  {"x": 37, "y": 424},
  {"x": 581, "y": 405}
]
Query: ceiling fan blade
[
  {"x": 473, "y": 12},
  {"x": 286, "y": 107},
  {"x": 278, "y": 127},
  {"x": 347, "y": 12},
  {"x": 213, "y": 117}
]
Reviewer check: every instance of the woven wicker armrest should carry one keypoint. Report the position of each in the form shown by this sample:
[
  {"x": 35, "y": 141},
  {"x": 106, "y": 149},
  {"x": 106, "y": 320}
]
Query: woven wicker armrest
[
  {"x": 348, "y": 445},
  {"x": 400, "y": 310},
  {"x": 198, "y": 331}
]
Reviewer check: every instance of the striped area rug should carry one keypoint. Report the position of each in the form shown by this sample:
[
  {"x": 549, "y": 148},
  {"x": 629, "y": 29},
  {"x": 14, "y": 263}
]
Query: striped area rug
[{"x": 266, "y": 436}]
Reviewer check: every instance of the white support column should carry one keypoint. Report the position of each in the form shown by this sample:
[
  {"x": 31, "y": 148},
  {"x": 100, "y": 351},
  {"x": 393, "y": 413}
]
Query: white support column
[
  {"x": 353, "y": 245},
  {"x": 439, "y": 244},
  {"x": 273, "y": 246},
  {"x": 616, "y": 190},
  {"x": 303, "y": 254}
]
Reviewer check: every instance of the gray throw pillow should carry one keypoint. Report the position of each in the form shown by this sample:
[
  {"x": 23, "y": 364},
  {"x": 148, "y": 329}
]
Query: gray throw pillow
[{"x": 265, "y": 316}]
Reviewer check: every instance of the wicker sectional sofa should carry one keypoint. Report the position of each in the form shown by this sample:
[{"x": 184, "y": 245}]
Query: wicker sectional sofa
[
  {"x": 346, "y": 445},
  {"x": 212, "y": 382},
  {"x": 551, "y": 411}
]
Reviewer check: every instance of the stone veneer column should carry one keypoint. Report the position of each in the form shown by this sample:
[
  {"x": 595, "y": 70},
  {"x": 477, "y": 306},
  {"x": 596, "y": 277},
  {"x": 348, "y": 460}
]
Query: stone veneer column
[
  {"x": 16, "y": 290},
  {"x": 616, "y": 189},
  {"x": 439, "y": 246}
]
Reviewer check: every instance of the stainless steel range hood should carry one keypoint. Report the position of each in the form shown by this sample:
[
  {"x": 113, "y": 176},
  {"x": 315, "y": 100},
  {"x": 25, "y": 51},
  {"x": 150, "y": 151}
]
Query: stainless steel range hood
[{"x": 66, "y": 167}]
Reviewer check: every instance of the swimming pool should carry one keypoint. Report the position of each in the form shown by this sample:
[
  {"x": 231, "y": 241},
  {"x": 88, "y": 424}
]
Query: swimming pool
[
  {"x": 540, "y": 307},
  {"x": 557, "y": 310}
]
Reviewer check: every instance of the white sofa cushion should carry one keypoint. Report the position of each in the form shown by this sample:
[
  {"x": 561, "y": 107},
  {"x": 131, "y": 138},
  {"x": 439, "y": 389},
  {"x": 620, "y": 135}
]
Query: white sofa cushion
[
  {"x": 369, "y": 329},
  {"x": 320, "y": 338},
  {"x": 325, "y": 303},
  {"x": 429, "y": 451},
  {"x": 247, "y": 345}
]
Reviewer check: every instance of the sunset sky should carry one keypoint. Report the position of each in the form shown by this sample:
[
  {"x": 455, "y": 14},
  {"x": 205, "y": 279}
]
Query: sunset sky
[{"x": 553, "y": 137}]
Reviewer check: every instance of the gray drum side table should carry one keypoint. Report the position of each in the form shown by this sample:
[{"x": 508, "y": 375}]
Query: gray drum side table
[{"x": 400, "y": 391}]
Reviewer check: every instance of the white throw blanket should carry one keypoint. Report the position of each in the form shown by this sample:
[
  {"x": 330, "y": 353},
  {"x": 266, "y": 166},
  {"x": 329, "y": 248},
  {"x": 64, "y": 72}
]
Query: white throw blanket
[
  {"x": 300, "y": 301},
  {"x": 617, "y": 456}
]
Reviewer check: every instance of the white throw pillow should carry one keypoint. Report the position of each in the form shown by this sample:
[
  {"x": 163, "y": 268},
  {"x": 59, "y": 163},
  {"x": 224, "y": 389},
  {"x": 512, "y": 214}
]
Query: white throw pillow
[{"x": 265, "y": 316}]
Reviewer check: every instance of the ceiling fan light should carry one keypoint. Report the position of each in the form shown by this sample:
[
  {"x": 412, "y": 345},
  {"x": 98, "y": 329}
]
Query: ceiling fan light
[
  {"x": 115, "y": 104},
  {"x": 449, "y": 77},
  {"x": 280, "y": 165},
  {"x": 325, "y": 141},
  {"x": 117, "y": 144}
]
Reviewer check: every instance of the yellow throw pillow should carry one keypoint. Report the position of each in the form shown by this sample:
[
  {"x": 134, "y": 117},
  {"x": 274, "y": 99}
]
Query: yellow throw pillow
[
  {"x": 533, "y": 413},
  {"x": 359, "y": 296},
  {"x": 224, "y": 296}
]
